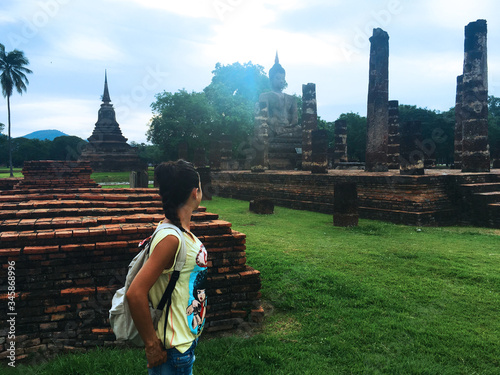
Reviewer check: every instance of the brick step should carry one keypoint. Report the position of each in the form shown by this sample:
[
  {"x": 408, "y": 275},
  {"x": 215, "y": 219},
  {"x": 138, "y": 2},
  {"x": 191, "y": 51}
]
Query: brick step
[
  {"x": 482, "y": 187},
  {"x": 75, "y": 204},
  {"x": 488, "y": 197},
  {"x": 476, "y": 178},
  {"x": 75, "y": 222},
  {"x": 87, "y": 221},
  {"x": 72, "y": 190},
  {"x": 60, "y": 212},
  {"x": 70, "y": 231},
  {"x": 86, "y": 196}
]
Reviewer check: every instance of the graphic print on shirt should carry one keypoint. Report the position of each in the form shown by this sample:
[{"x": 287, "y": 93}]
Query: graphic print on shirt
[{"x": 196, "y": 310}]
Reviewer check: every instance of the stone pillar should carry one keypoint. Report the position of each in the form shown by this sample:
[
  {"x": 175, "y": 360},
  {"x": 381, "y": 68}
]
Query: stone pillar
[
  {"x": 226, "y": 152},
  {"x": 457, "y": 154},
  {"x": 340, "y": 153},
  {"x": 412, "y": 158},
  {"x": 200, "y": 159},
  {"x": 319, "y": 151},
  {"x": 260, "y": 144},
  {"x": 345, "y": 205},
  {"x": 309, "y": 123},
  {"x": 139, "y": 179},
  {"x": 394, "y": 138},
  {"x": 215, "y": 155},
  {"x": 475, "y": 149},
  {"x": 378, "y": 98}
]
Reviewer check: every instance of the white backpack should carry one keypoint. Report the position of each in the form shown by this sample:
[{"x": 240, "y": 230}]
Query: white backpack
[{"x": 120, "y": 318}]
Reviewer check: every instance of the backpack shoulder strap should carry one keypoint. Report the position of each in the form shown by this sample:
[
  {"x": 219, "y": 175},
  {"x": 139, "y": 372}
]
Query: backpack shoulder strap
[
  {"x": 179, "y": 264},
  {"x": 181, "y": 257}
]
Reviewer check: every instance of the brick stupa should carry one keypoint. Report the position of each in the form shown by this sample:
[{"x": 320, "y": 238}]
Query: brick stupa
[{"x": 108, "y": 150}]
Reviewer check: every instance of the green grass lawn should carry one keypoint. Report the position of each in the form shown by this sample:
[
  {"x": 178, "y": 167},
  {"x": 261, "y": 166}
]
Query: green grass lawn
[{"x": 375, "y": 299}]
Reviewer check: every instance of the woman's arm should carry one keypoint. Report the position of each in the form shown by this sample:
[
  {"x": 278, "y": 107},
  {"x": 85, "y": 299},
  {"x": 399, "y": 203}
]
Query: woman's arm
[{"x": 162, "y": 258}]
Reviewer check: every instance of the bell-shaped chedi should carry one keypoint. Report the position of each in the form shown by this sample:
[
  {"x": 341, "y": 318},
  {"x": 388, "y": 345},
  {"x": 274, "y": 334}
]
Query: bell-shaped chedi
[{"x": 108, "y": 149}]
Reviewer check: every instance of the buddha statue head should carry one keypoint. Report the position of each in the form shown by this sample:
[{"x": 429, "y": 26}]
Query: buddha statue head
[{"x": 277, "y": 76}]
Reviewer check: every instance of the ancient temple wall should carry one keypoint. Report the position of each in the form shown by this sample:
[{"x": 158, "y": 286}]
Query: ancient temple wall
[
  {"x": 70, "y": 249},
  {"x": 410, "y": 200}
]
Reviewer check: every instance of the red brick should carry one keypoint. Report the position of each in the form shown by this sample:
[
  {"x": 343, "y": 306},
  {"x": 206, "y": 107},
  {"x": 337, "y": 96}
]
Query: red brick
[
  {"x": 10, "y": 252},
  {"x": 250, "y": 273},
  {"x": 40, "y": 249},
  {"x": 64, "y": 234},
  {"x": 78, "y": 291},
  {"x": 84, "y": 232},
  {"x": 9, "y": 236},
  {"x": 59, "y": 308},
  {"x": 45, "y": 235}
]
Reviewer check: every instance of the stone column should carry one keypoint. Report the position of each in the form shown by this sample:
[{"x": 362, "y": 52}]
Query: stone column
[
  {"x": 394, "y": 138},
  {"x": 214, "y": 156},
  {"x": 412, "y": 158},
  {"x": 200, "y": 159},
  {"x": 475, "y": 149},
  {"x": 378, "y": 98},
  {"x": 139, "y": 179},
  {"x": 260, "y": 141},
  {"x": 340, "y": 153},
  {"x": 345, "y": 205},
  {"x": 226, "y": 152},
  {"x": 309, "y": 123},
  {"x": 319, "y": 151},
  {"x": 457, "y": 154}
]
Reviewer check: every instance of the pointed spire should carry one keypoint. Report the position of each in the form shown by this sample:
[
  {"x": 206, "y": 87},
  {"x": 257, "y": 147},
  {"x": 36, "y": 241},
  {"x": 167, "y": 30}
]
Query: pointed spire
[
  {"x": 105, "y": 96},
  {"x": 276, "y": 59}
]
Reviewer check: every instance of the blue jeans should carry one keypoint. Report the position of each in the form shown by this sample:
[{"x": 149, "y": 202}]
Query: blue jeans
[{"x": 177, "y": 363}]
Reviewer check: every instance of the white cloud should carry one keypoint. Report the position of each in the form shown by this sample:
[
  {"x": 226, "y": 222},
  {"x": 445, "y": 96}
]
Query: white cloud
[
  {"x": 187, "y": 8},
  {"x": 452, "y": 13},
  {"x": 90, "y": 47}
]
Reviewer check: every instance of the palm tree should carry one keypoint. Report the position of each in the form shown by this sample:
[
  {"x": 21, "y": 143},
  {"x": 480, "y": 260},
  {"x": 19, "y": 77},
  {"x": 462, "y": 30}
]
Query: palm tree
[{"x": 13, "y": 75}]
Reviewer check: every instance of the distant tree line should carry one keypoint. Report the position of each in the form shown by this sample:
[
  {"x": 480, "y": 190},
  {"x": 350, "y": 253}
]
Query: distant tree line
[{"x": 226, "y": 107}]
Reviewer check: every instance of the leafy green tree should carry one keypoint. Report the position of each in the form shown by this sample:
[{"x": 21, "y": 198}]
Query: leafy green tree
[
  {"x": 224, "y": 108},
  {"x": 438, "y": 130},
  {"x": 66, "y": 148},
  {"x": 2, "y": 127},
  {"x": 233, "y": 93},
  {"x": 24, "y": 149},
  {"x": 494, "y": 126},
  {"x": 151, "y": 154},
  {"x": 4, "y": 150},
  {"x": 13, "y": 75},
  {"x": 182, "y": 117},
  {"x": 356, "y": 136}
]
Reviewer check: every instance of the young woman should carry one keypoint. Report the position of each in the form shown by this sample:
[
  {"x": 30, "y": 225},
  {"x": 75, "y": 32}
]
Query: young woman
[{"x": 170, "y": 349}]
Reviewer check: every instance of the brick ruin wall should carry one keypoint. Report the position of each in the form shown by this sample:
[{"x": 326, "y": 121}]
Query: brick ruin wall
[
  {"x": 71, "y": 249},
  {"x": 411, "y": 200}
]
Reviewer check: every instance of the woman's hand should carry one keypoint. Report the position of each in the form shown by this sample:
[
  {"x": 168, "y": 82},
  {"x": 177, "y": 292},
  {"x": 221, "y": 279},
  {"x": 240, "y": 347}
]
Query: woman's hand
[{"x": 155, "y": 354}]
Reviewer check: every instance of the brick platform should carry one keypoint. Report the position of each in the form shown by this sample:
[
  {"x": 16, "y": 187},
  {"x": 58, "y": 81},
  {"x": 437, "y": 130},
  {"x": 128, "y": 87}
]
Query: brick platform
[
  {"x": 440, "y": 197},
  {"x": 43, "y": 174},
  {"x": 71, "y": 248}
]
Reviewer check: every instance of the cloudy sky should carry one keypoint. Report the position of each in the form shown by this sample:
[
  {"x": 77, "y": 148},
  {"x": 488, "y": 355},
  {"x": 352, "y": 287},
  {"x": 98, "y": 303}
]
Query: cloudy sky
[{"x": 148, "y": 46}]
